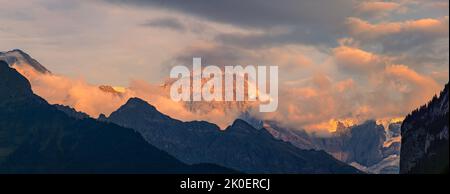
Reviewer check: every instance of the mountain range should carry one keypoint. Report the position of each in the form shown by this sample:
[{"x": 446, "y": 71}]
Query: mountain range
[
  {"x": 240, "y": 146},
  {"x": 36, "y": 137},
  {"x": 368, "y": 146}
]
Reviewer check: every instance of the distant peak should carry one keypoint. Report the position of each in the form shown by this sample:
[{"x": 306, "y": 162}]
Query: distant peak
[
  {"x": 118, "y": 91},
  {"x": 240, "y": 125},
  {"x": 21, "y": 58},
  {"x": 19, "y": 51},
  {"x": 370, "y": 122},
  {"x": 136, "y": 107},
  {"x": 102, "y": 117},
  {"x": 137, "y": 101}
]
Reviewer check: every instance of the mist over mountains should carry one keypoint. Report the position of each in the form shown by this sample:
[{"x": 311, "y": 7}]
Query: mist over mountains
[
  {"x": 20, "y": 58},
  {"x": 38, "y": 138},
  {"x": 240, "y": 146},
  {"x": 172, "y": 136},
  {"x": 250, "y": 145},
  {"x": 169, "y": 134}
]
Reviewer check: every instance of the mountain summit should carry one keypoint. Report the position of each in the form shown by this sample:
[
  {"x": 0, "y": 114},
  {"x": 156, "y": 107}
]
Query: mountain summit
[
  {"x": 40, "y": 138},
  {"x": 20, "y": 58},
  {"x": 240, "y": 146}
]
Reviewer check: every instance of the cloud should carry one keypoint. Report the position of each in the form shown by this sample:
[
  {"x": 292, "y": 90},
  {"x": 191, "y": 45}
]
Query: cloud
[
  {"x": 398, "y": 90},
  {"x": 169, "y": 23},
  {"x": 254, "y": 13},
  {"x": 355, "y": 60},
  {"x": 399, "y": 36},
  {"x": 218, "y": 54},
  {"x": 90, "y": 99},
  {"x": 158, "y": 96},
  {"x": 377, "y": 8},
  {"x": 83, "y": 38},
  {"x": 421, "y": 44},
  {"x": 72, "y": 92},
  {"x": 309, "y": 21},
  {"x": 414, "y": 87},
  {"x": 319, "y": 100}
]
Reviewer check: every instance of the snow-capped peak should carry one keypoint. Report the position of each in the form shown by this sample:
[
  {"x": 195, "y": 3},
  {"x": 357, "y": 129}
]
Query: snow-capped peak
[{"x": 20, "y": 58}]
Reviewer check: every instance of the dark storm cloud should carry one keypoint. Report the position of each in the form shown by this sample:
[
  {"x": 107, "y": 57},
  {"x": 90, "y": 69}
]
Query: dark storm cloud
[{"x": 309, "y": 21}]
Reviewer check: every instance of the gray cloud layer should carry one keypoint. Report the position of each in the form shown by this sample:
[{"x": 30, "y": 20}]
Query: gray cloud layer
[
  {"x": 320, "y": 21},
  {"x": 170, "y": 23}
]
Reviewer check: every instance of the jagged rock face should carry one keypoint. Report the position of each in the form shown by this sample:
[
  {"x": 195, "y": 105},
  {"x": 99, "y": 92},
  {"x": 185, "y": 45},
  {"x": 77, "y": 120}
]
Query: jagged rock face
[
  {"x": 394, "y": 129},
  {"x": 240, "y": 146},
  {"x": 110, "y": 90},
  {"x": 392, "y": 149},
  {"x": 361, "y": 143},
  {"x": 71, "y": 112},
  {"x": 389, "y": 165},
  {"x": 20, "y": 58},
  {"x": 298, "y": 138},
  {"x": 36, "y": 137},
  {"x": 254, "y": 122},
  {"x": 425, "y": 145},
  {"x": 364, "y": 145}
]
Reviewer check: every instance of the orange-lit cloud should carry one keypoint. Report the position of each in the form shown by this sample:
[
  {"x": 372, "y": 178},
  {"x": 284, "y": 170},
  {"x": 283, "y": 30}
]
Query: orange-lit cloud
[
  {"x": 73, "y": 92},
  {"x": 421, "y": 27},
  {"x": 391, "y": 93},
  {"x": 356, "y": 60},
  {"x": 414, "y": 88},
  {"x": 332, "y": 125},
  {"x": 90, "y": 99},
  {"x": 159, "y": 97}
]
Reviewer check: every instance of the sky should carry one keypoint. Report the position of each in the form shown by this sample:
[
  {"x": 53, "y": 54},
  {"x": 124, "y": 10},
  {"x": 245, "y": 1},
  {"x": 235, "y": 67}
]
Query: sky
[{"x": 338, "y": 60}]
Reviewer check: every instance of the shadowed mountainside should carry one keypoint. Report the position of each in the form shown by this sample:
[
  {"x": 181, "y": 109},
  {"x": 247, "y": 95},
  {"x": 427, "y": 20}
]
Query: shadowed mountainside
[
  {"x": 36, "y": 137},
  {"x": 424, "y": 146},
  {"x": 240, "y": 146}
]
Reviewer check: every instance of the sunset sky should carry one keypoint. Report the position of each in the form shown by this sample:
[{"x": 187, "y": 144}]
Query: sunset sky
[{"x": 338, "y": 59}]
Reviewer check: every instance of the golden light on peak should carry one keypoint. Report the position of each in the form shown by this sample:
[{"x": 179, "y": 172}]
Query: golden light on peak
[
  {"x": 119, "y": 89},
  {"x": 333, "y": 125}
]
